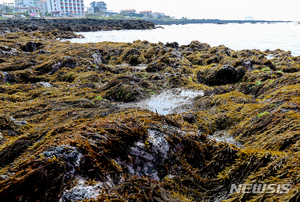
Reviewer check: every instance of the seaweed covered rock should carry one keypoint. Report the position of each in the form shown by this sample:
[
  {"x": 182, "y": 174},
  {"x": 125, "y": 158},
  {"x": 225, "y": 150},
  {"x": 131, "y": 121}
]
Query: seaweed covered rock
[
  {"x": 31, "y": 46},
  {"x": 125, "y": 89},
  {"x": 220, "y": 75}
]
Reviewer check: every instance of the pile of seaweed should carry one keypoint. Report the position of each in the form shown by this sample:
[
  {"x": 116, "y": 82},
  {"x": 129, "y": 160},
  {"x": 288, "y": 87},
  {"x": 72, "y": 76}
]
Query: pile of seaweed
[{"x": 65, "y": 137}]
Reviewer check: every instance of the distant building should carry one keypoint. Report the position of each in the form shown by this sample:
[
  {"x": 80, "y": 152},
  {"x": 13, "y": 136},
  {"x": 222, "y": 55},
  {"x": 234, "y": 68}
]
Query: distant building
[
  {"x": 54, "y": 7},
  {"x": 7, "y": 15},
  {"x": 66, "y": 7},
  {"x": 23, "y": 8},
  {"x": 28, "y": 2},
  {"x": 99, "y": 6},
  {"x": 146, "y": 13},
  {"x": 42, "y": 6},
  {"x": 17, "y": 2},
  {"x": 128, "y": 11},
  {"x": 248, "y": 18},
  {"x": 9, "y": 5},
  {"x": 90, "y": 10},
  {"x": 2, "y": 7},
  {"x": 158, "y": 15}
]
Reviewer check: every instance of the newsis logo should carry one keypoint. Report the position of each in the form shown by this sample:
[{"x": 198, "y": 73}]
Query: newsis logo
[{"x": 260, "y": 188}]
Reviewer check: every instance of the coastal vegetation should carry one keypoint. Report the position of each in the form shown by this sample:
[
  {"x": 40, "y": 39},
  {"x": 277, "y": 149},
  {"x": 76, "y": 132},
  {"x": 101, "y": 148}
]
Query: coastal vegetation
[{"x": 71, "y": 127}]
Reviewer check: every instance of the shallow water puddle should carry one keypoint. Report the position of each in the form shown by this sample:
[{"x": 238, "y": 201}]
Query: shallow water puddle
[
  {"x": 270, "y": 56},
  {"x": 140, "y": 66},
  {"x": 167, "y": 102},
  {"x": 225, "y": 137}
]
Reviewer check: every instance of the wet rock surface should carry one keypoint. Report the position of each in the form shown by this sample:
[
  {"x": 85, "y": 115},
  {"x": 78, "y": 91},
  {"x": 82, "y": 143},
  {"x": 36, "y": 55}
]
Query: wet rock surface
[{"x": 143, "y": 121}]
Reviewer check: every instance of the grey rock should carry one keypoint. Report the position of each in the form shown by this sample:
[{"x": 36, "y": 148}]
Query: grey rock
[
  {"x": 97, "y": 57},
  {"x": 46, "y": 84},
  {"x": 6, "y": 77},
  {"x": 20, "y": 123},
  {"x": 147, "y": 158},
  {"x": 76, "y": 194},
  {"x": 67, "y": 153}
]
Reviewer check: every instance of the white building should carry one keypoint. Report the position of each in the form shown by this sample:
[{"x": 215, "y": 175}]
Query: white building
[
  {"x": 66, "y": 7},
  {"x": 158, "y": 15},
  {"x": 28, "y": 2},
  {"x": 22, "y": 8},
  {"x": 90, "y": 10}
]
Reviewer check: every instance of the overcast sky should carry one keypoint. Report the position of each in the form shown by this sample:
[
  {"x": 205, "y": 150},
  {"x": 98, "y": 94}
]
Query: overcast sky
[{"x": 214, "y": 9}]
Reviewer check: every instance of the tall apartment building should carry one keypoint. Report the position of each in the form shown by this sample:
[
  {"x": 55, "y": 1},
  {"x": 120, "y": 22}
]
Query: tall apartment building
[{"x": 66, "y": 7}]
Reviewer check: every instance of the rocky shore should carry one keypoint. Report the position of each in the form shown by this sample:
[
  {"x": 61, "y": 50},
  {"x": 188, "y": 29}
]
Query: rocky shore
[
  {"x": 70, "y": 25},
  {"x": 75, "y": 121}
]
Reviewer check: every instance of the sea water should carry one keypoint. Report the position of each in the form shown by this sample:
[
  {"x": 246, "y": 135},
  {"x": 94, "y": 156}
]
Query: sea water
[{"x": 285, "y": 36}]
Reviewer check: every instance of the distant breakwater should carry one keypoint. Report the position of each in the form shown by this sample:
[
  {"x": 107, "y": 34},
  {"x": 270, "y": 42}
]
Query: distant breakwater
[
  {"x": 73, "y": 25},
  {"x": 204, "y": 21}
]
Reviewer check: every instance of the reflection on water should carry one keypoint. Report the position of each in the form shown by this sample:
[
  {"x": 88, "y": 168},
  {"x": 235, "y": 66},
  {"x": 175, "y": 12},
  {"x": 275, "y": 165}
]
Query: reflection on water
[{"x": 285, "y": 36}]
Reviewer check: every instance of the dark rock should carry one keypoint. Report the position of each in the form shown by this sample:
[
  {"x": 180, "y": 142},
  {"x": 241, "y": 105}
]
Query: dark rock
[
  {"x": 270, "y": 64},
  {"x": 55, "y": 67},
  {"x": 133, "y": 60},
  {"x": 131, "y": 56},
  {"x": 147, "y": 158},
  {"x": 31, "y": 46},
  {"x": 227, "y": 74},
  {"x": 190, "y": 118},
  {"x": 248, "y": 65},
  {"x": 240, "y": 72},
  {"x": 73, "y": 25},
  {"x": 69, "y": 62},
  {"x": 66, "y": 62},
  {"x": 88, "y": 85},
  {"x": 156, "y": 67},
  {"x": 213, "y": 59},
  {"x": 172, "y": 45}
]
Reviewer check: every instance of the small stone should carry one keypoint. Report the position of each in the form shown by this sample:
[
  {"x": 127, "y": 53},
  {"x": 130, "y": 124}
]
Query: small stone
[{"x": 190, "y": 118}]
